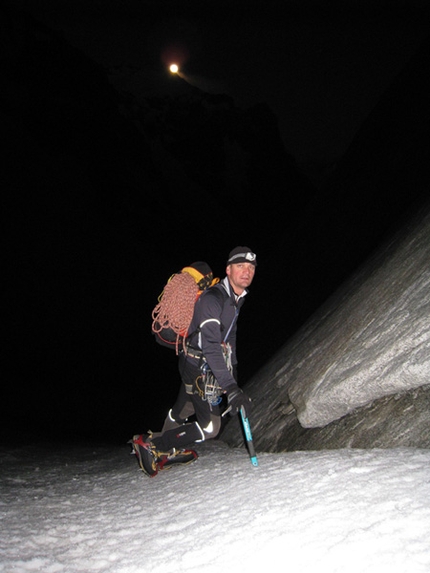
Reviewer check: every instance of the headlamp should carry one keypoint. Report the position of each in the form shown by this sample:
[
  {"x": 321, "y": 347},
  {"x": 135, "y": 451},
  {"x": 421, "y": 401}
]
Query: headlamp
[{"x": 248, "y": 256}]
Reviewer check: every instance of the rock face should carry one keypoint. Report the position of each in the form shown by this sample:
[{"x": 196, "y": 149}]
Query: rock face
[
  {"x": 362, "y": 202},
  {"x": 371, "y": 339},
  {"x": 400, "y": 420},
  {"x": 358, "y": 371}
]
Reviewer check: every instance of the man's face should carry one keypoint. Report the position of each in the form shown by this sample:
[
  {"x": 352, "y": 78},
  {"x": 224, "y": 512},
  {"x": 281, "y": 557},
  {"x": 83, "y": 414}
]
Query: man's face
[{"x": 240, "y": 276}]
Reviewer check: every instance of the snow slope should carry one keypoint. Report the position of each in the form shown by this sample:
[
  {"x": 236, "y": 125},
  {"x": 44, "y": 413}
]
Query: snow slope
[{"x": 90, "y": 509}]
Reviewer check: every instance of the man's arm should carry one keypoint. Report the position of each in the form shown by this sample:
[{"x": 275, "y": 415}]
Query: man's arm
[{"x": 211, "y": 339}]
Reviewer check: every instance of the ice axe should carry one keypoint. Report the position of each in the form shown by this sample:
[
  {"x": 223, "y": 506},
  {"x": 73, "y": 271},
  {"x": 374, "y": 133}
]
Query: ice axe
[{"x": 248, "y": 436}]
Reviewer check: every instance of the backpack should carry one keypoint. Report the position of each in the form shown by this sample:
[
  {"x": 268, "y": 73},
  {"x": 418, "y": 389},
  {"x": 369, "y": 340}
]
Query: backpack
[{"x": 171, "y": 317}]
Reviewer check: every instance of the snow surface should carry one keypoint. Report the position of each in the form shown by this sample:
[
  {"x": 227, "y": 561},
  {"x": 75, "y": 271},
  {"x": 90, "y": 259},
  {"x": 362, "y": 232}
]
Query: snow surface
[{"x": 91, "y": 509}]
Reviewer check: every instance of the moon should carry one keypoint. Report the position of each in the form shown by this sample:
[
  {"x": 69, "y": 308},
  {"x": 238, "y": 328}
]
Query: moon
[{"x": 174, "y": 69}]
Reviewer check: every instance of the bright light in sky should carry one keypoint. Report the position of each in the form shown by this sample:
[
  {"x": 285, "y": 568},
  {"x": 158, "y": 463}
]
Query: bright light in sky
[{"x": 174, "y": 69}]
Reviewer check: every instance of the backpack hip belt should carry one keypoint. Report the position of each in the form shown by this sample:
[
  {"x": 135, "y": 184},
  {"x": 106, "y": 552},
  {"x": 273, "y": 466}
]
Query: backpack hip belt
[{"x": 193, "y": 353}]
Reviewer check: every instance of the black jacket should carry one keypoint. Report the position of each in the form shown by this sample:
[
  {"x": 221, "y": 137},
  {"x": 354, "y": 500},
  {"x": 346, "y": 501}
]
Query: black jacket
[{"x": 215, "y": 318}]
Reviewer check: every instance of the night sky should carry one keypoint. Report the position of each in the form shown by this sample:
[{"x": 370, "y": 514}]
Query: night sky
[
  {"x": 321, "y": 66},
  {"x": 81, "y": 362}
]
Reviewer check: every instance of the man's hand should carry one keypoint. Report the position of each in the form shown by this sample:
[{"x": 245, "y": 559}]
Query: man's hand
[{"x": 237, "y": 398}]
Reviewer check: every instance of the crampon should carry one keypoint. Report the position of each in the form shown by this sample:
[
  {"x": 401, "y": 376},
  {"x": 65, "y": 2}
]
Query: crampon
[{"x": 151, "y": 461}]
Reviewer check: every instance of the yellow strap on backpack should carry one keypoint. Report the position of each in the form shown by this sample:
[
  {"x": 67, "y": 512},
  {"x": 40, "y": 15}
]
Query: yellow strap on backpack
[{"x": 203, "y": 282}]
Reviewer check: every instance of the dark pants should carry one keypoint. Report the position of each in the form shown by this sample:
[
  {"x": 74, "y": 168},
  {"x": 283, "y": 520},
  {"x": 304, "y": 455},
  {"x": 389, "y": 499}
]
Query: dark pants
[{"x": 177, "y": 431}]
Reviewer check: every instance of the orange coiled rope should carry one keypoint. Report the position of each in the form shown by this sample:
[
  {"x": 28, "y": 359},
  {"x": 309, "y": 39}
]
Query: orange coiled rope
[{"x": 176, "y": 306}]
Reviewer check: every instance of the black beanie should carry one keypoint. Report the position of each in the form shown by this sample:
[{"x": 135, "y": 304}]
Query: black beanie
[{"x": 242, "y": 255}]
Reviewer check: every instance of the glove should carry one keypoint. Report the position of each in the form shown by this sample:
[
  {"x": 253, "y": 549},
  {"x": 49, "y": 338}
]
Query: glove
[{"x": 237, "y": 398}]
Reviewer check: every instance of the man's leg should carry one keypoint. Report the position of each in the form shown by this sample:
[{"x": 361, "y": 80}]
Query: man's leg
[
  {"x": 177, "y": 432},
  {"x": 208, "y": 417},
  {"x": 180, "y": 412}
]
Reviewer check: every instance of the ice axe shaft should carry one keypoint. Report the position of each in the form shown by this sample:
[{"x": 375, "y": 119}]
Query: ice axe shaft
[{"x": 248, "y": 437}]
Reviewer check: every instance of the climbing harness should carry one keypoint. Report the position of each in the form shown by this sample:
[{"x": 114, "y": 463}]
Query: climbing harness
[{"x": 207, "y": 385}]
